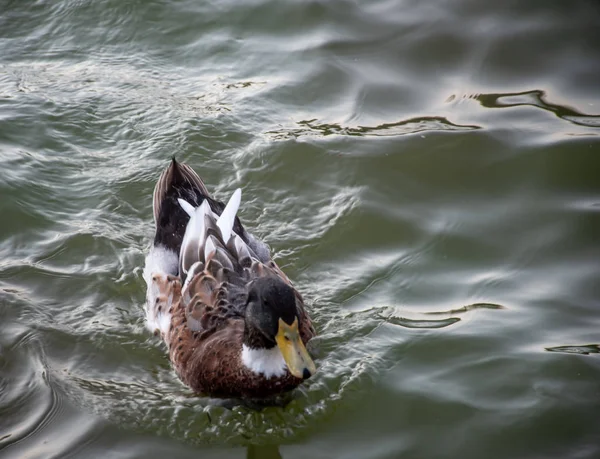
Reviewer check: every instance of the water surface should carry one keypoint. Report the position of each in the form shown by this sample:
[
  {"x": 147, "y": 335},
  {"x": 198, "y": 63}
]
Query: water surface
[{"x": 425, "y": 172}]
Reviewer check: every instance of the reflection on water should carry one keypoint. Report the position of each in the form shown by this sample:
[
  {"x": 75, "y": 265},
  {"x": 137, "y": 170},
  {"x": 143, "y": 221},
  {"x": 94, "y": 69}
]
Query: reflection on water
[
  {"x": 537, "y": 98},
  {"x": 393, "y": 316},
  {"x": 585, "y": 349},
  {"x": 469, "y": 307},
  {"x": 409, "y": 126},
  {"x": 263, "y": 452},
  {"x": 414, "y": 323},
  {"x": 534, "y": 98}
]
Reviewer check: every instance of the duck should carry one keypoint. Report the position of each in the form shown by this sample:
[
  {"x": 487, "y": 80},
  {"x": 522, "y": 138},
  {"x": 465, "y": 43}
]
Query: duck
[{"x": 234, "y": 324}]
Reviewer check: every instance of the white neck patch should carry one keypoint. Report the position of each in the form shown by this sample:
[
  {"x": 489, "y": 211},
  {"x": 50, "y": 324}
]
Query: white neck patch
[{"x": 267, "y": 362}]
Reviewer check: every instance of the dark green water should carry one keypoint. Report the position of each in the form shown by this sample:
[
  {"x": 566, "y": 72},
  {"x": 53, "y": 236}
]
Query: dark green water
[{"x": 428, "y": 173}]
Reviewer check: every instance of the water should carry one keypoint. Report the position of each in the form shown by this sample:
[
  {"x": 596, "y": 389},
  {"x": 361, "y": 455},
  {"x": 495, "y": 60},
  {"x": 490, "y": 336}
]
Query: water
[{"x": 426, "y": 173}]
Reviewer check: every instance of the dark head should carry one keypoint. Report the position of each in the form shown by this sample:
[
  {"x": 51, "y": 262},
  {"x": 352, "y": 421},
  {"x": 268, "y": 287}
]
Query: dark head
[{"x": 272, "y": 320}]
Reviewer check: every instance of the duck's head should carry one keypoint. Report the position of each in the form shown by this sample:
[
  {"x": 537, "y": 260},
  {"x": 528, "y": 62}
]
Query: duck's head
[{"x": 271, "y": 336}]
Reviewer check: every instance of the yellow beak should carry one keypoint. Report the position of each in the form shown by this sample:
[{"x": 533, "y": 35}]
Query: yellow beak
[{"x": 294, "y": 353}]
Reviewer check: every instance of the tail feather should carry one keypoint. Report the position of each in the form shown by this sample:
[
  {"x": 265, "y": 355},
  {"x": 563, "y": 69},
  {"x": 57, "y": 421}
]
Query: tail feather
[
  {"x": 177, "y": 175},
  {"x": 177, "y": 182}
]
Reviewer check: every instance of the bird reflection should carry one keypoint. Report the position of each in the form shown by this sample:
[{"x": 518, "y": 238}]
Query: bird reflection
[{"x": 263, "y": 452}]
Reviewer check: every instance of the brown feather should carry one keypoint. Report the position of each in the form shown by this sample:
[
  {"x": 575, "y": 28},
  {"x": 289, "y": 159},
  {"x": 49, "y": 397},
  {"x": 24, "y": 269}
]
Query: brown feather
[{"x": 205, "y": 343}]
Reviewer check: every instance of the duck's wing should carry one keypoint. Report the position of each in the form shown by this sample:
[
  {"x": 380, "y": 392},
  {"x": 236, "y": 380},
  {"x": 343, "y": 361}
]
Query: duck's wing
[
  {"x": 179, "y": 182},
  {"x": 217, "y": 265},
  {"x": 208, "y": 235},
  {"x": 183, "y": 209}
]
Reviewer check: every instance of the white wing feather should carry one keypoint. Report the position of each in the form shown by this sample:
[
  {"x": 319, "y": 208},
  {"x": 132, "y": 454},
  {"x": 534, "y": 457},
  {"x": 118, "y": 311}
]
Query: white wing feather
[
  {"x": 209, "y": 248},
  {"x": 227, "y": 218},
  {"x": 189, "y": 209},
  {"x": 193, "y": 238}
]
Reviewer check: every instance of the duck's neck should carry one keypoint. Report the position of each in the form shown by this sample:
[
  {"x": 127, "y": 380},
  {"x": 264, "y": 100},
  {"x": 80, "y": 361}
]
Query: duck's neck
[
  {"x": 265, "y": 362},
  {"x": 261, "y": 356},
  {"x": 254, "y": 339}
]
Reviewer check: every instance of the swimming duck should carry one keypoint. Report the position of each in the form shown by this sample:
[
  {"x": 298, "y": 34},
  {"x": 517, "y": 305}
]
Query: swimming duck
[{"x": 234, "y": 324}]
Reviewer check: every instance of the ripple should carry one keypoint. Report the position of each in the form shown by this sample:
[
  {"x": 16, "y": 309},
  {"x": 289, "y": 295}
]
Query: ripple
[
  {"x": 404, "y": 127},
  {"x": 26, "y": 397},
  {"x": 585, "y": 349},
  {"x": 469, "y": 307},
  {"x": 537, "y": 98},
  {"x": 415, "y": 323},
  {"x": 159, "y": 403}
]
